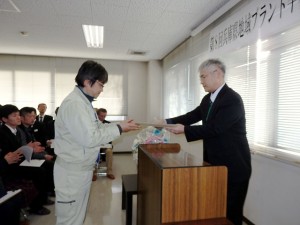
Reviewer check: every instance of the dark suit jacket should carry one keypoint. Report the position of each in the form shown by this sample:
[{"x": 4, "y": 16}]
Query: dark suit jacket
[
  {"x": 50, "y": 130},
  {"x": 28, "y": 133},
  {"x": 40, "y": 129},
  {"x": 9, "y": 143},
  {"x": 46, "y": 119},
  {"x": 223, "y": 134}
]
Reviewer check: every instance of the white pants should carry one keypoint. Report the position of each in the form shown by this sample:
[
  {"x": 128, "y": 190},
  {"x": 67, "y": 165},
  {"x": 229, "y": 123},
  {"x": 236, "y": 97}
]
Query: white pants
[{"x": 72, "y": 189}]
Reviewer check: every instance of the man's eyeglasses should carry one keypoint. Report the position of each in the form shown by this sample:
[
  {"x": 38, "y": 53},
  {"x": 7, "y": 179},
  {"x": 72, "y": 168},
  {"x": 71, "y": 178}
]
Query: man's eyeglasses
[{"x": 101, "y": 85}]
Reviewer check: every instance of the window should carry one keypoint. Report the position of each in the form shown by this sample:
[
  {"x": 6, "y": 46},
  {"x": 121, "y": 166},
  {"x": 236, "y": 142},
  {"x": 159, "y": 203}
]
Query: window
[
  {"x": 267, "y": 75},
  {"x": 29, "y": 80},
  {"x": 25, "y": 81},
  {"x": 177, "y": 90},
  {"x": 113, "y": 97}
]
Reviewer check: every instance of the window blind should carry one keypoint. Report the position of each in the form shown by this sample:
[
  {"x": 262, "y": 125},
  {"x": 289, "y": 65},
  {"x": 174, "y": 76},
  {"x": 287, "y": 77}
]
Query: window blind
[
  {"x": 30, "y": 80},
  {"x": 176, "y": 90}
]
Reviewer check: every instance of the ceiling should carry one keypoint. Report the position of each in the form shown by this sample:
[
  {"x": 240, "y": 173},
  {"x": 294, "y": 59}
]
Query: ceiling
[{"x": 54, "y": 27}]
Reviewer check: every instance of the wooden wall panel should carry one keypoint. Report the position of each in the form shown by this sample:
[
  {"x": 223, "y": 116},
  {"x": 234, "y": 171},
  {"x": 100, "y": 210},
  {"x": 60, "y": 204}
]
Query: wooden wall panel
[
  {"x": 192, "y": 193},
  {"x": 149, "y": 191}
]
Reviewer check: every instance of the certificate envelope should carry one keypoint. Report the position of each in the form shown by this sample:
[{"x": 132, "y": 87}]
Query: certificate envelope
[{"x": 156, "y": 124}]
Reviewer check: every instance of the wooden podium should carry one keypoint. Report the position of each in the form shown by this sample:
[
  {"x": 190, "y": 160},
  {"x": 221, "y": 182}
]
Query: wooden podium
[{"x": 174, "y": 186}]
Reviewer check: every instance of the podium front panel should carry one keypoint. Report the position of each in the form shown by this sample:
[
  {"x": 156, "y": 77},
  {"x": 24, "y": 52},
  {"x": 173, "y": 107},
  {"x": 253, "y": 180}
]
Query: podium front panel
[{"x": 174, "y": 186}]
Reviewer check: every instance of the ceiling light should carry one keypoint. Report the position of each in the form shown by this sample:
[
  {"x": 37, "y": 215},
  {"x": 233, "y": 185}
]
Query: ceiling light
[{"x": 93, "y": 36}]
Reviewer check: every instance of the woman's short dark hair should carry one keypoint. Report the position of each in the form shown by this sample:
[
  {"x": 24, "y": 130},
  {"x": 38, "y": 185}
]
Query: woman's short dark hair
[{"x": 92, "y": 71}]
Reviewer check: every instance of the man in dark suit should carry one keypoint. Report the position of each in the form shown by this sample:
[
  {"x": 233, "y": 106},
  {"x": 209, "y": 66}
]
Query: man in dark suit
[
  {"x": 42, "y": 117},
  {"x": 223, "y": 131},
  {"x": 41, "y": 123},
  {"x": 27, "y": 120}
]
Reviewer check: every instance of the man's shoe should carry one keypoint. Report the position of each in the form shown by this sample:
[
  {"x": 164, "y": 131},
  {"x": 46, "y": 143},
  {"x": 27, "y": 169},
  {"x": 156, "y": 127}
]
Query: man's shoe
[
  {"x": 110, "y": 176},
  {"x": 51, "y": 194},
  {"x": 41, "y": 212},
  {"x": 49, "y": 202},
  {"x": 94, "y": 175}
]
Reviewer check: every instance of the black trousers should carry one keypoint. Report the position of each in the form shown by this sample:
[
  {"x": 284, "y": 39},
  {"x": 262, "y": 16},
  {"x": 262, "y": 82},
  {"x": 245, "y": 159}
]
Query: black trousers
[
  {"x": 48, "y": 165},
  {"x": 10, "y": 210},
  {"x": 236, "y": 195},
  {"x": 38, "y": 175}
]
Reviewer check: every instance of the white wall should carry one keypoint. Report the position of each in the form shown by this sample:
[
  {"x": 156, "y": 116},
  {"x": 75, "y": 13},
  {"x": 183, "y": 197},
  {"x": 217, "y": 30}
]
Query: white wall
[
  {"x": 154, "y": 90},
  {"x": 273, "y": 197},
  {"x": 137, "y": 103}
]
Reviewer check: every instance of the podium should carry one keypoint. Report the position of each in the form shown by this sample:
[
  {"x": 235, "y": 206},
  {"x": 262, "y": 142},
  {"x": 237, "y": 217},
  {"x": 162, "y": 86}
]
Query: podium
[{"x": 174, "y": 186}]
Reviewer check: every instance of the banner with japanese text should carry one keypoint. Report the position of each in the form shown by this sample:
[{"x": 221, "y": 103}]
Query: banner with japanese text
[{"x": 257, "y": 20}]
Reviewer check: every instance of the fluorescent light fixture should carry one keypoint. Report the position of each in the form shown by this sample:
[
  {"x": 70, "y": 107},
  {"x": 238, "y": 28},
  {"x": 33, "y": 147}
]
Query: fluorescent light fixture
[{"x": 93, "y": 36}]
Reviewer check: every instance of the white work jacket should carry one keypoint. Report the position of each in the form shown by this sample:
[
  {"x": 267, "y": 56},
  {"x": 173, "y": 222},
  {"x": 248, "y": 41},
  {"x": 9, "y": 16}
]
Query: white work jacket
[{"x": 79, "y": 133}]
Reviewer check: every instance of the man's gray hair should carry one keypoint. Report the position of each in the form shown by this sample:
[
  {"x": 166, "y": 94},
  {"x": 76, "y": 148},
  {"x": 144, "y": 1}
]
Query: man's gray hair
[{"x": 211, "y": 62}]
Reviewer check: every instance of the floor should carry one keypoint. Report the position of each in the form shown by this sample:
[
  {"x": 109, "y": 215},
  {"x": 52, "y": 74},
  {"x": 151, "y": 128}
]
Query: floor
[{"x": 105, "y": 199}]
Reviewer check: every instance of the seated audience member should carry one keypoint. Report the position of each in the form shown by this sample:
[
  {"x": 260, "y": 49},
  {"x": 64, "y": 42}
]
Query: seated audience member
[
  {"x": 11, "y": 208},
  {"x": 9, "y": 142},
  {"x": 28, "y": 115},
  {"x": 108, "y": 151},
  {"x": 27, "y": 120},
  {"x": 28, "y": 193},
  {"x": 40, "y": 124}
]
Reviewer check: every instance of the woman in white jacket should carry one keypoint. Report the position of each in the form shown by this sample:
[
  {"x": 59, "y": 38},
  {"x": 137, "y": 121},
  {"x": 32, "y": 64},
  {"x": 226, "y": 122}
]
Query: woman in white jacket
[{"x": 78, "y": 136}]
